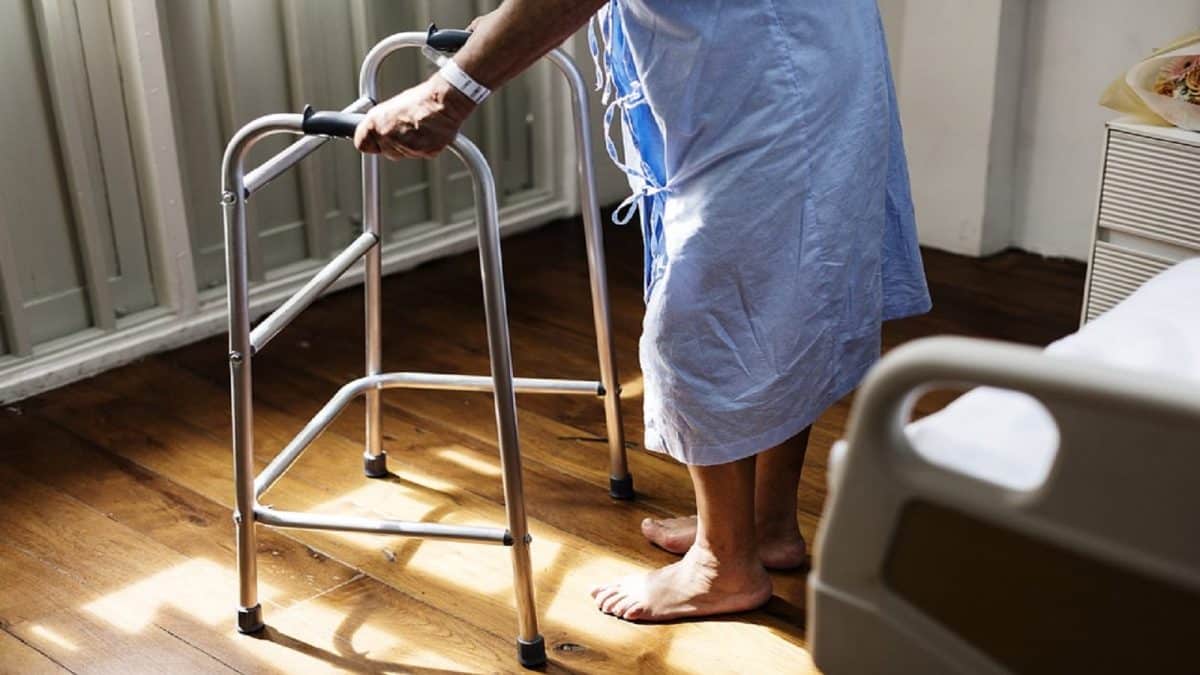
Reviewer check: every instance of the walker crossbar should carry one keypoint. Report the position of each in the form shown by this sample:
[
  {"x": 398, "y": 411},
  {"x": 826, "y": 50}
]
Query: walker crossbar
[
  {"x": 319, "y": 521},
  {"x": 289, "y": 310},
  {"x": 445, "y": 382},
  {"x": 244, "y": 343}
]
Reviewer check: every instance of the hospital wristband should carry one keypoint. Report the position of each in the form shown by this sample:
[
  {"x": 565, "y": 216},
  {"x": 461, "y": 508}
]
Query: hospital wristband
[{"x": 463, "y": 82}]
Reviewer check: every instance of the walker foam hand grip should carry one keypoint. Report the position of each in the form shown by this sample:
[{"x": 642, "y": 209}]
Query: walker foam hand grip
[
  {"x": 330, "y": 123},
  {"x": 446, "y": 41}
]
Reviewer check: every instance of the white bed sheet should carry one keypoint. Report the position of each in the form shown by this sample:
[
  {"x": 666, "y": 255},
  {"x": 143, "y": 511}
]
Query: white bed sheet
[{"x": 1009, "y": 439}]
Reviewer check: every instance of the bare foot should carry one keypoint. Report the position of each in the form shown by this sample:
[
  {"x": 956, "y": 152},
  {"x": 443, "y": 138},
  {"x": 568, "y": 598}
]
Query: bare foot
[
  {"x": 777, "y": 552},
  {"x": 698, "y": 585},
  {"x": 675, "y": 535}
]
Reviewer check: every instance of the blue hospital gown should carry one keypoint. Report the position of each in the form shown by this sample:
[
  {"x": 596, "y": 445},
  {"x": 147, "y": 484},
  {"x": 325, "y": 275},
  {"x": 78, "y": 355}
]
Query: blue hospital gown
[{"x": 763, "y": 144}]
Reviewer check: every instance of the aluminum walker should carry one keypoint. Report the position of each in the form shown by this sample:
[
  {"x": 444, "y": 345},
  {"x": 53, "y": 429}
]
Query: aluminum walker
[{"x": 244, "y": 343}]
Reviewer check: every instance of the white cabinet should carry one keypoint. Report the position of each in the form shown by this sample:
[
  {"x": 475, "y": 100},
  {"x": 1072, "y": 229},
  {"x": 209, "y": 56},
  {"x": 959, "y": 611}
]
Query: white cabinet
[{"x": 1148, "y": 215}]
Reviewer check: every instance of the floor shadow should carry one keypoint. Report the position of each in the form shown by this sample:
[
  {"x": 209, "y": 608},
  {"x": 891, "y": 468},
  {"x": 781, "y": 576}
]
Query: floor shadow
[
  {"x": 401, "y": 555},
  {"x": 349, "y": 660}
]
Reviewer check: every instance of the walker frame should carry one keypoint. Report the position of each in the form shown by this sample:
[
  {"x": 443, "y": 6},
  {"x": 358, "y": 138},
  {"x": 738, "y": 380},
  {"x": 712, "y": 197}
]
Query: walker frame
[{"x": 245, "y": 343}]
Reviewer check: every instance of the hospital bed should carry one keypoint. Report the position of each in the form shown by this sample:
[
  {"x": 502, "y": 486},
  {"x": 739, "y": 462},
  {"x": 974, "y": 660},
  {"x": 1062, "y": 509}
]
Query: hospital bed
[{"x": 1046, "y": 521}]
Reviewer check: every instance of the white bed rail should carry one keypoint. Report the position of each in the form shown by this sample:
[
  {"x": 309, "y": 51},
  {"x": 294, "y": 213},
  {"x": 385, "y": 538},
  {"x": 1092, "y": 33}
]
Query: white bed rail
[{"x": 1123, "y": 489}]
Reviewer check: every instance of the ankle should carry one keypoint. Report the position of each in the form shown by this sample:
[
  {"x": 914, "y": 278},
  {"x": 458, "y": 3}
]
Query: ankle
[{"x": 724, "y": 558}]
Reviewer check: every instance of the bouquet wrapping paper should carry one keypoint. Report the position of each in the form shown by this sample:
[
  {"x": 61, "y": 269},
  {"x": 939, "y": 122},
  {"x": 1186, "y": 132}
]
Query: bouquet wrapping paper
[{"x": 1164, "y": 88}]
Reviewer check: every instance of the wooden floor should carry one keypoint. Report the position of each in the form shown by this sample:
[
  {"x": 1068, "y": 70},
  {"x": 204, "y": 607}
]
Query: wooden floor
[{"x": 116, "y": 544}]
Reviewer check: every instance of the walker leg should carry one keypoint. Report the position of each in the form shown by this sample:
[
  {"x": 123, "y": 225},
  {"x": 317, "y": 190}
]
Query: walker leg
[
  {"x": 374, "y": 457},
  {"x": 249, "y": 616},
  {"x": 531, "y": 648},
  {"x": 620, "y": 481},
  {"x": 250, "y": 621}
]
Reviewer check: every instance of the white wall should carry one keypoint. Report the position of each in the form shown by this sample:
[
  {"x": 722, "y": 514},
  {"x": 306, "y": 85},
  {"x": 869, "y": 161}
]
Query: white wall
[
  {"x": 1074, "y": 48},
  {"x": 959, "y": 122},
  {"x": 999, "y": 101}
]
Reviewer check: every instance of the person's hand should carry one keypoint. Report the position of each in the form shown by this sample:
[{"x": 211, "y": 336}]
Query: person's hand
[{"x": 417, "y": 123}]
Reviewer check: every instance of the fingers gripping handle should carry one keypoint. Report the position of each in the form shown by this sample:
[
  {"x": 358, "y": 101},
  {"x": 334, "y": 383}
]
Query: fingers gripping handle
[{"x": 330, "y": 123}]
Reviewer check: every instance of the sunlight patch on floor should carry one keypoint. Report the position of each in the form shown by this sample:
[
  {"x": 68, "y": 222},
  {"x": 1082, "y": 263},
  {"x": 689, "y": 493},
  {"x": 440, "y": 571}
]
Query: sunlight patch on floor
[
  {"x": 573, "y": 604},
  {"x": 387, "y": 500},
  {"x": 709, "y": 646},
  {"x": 313, "y": 636},
  {"x": 476, "y": 568},
  {"x": 53, "y": 636},
  {"x": 481, "y": 570},
  {"x": 200, "y": 588},
  {"x": 469, "y": 462},
  {"x": 565, "y": 571}
]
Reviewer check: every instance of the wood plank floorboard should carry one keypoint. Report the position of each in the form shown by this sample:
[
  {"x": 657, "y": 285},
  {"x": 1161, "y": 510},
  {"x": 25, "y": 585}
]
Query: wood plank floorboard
[{"x": 116, "y": 541}]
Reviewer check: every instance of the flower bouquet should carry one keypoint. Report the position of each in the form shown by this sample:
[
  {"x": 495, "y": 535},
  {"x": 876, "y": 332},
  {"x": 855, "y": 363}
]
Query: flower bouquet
[{"x": 1164, "y": 88}]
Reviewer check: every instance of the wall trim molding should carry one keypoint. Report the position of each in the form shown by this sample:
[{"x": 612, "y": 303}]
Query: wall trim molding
[
  {"x": 189, "y": 307},
  {"x": 93, "y": 352}
]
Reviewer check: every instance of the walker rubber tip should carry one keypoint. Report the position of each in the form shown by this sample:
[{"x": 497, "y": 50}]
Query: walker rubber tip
[
  {"x": 375, "y": 467},
  {"x": 621, "y": 488},
  {"x": 532, "y": 654},
  {"x": 250, "y": 620}
]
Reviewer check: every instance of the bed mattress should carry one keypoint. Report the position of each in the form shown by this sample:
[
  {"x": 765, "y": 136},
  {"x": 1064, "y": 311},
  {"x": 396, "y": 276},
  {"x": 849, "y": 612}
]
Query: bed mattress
[{"x": 1009, "y": 439}]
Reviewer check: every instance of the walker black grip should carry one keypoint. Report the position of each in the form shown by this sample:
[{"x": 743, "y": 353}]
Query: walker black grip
[
  {"x": 330, "y": 123},
  {"x": 446, "y": 41}
]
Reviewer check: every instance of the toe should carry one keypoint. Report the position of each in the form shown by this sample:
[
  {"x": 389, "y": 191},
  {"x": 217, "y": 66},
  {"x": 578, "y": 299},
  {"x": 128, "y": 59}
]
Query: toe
[
  {"x": 611, "y": 602},
  {"x": 605, "y": 596},
  {"x": 635, "y": 612},
  {"x": 622, "y": 608},
  {"x": 650, "y": 528}
]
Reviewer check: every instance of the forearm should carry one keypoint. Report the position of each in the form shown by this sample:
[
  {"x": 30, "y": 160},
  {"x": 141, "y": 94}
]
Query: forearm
[
  {"x": 423, "y": 120},
  {"x": 518, "y": 34}
]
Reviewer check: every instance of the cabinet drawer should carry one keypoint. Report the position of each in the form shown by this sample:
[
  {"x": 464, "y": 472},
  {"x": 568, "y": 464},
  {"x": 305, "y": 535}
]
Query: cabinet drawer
[
  {"x": 1116, "y": 273},
  {"x": 1152, "y": 189}
]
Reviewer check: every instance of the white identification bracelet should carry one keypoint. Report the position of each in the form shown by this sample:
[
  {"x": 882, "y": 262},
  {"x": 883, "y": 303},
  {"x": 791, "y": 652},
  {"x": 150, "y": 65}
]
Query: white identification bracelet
[{"x": 463, "y": 82}]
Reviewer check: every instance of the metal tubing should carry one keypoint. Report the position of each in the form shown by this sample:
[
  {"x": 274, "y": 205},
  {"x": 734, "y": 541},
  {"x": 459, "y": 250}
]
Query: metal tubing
[
  {"x": 233, "y": 199},
  {"x": 289, "y": 156},
  {"x": 593, "y": 229},
  {"x": 277, "y": 466},
  {"x": 374, "y": 460},
  {"x": 320, "y": 521},
  {"x": 453, "y": 382},
  {"x": 499, "y": 350},
  {"x": 373, "y": 383},
  {"x": 333, "y": 270},
  {"x": 368, "y": 75},
  {"x": 597, "y": 272}
]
